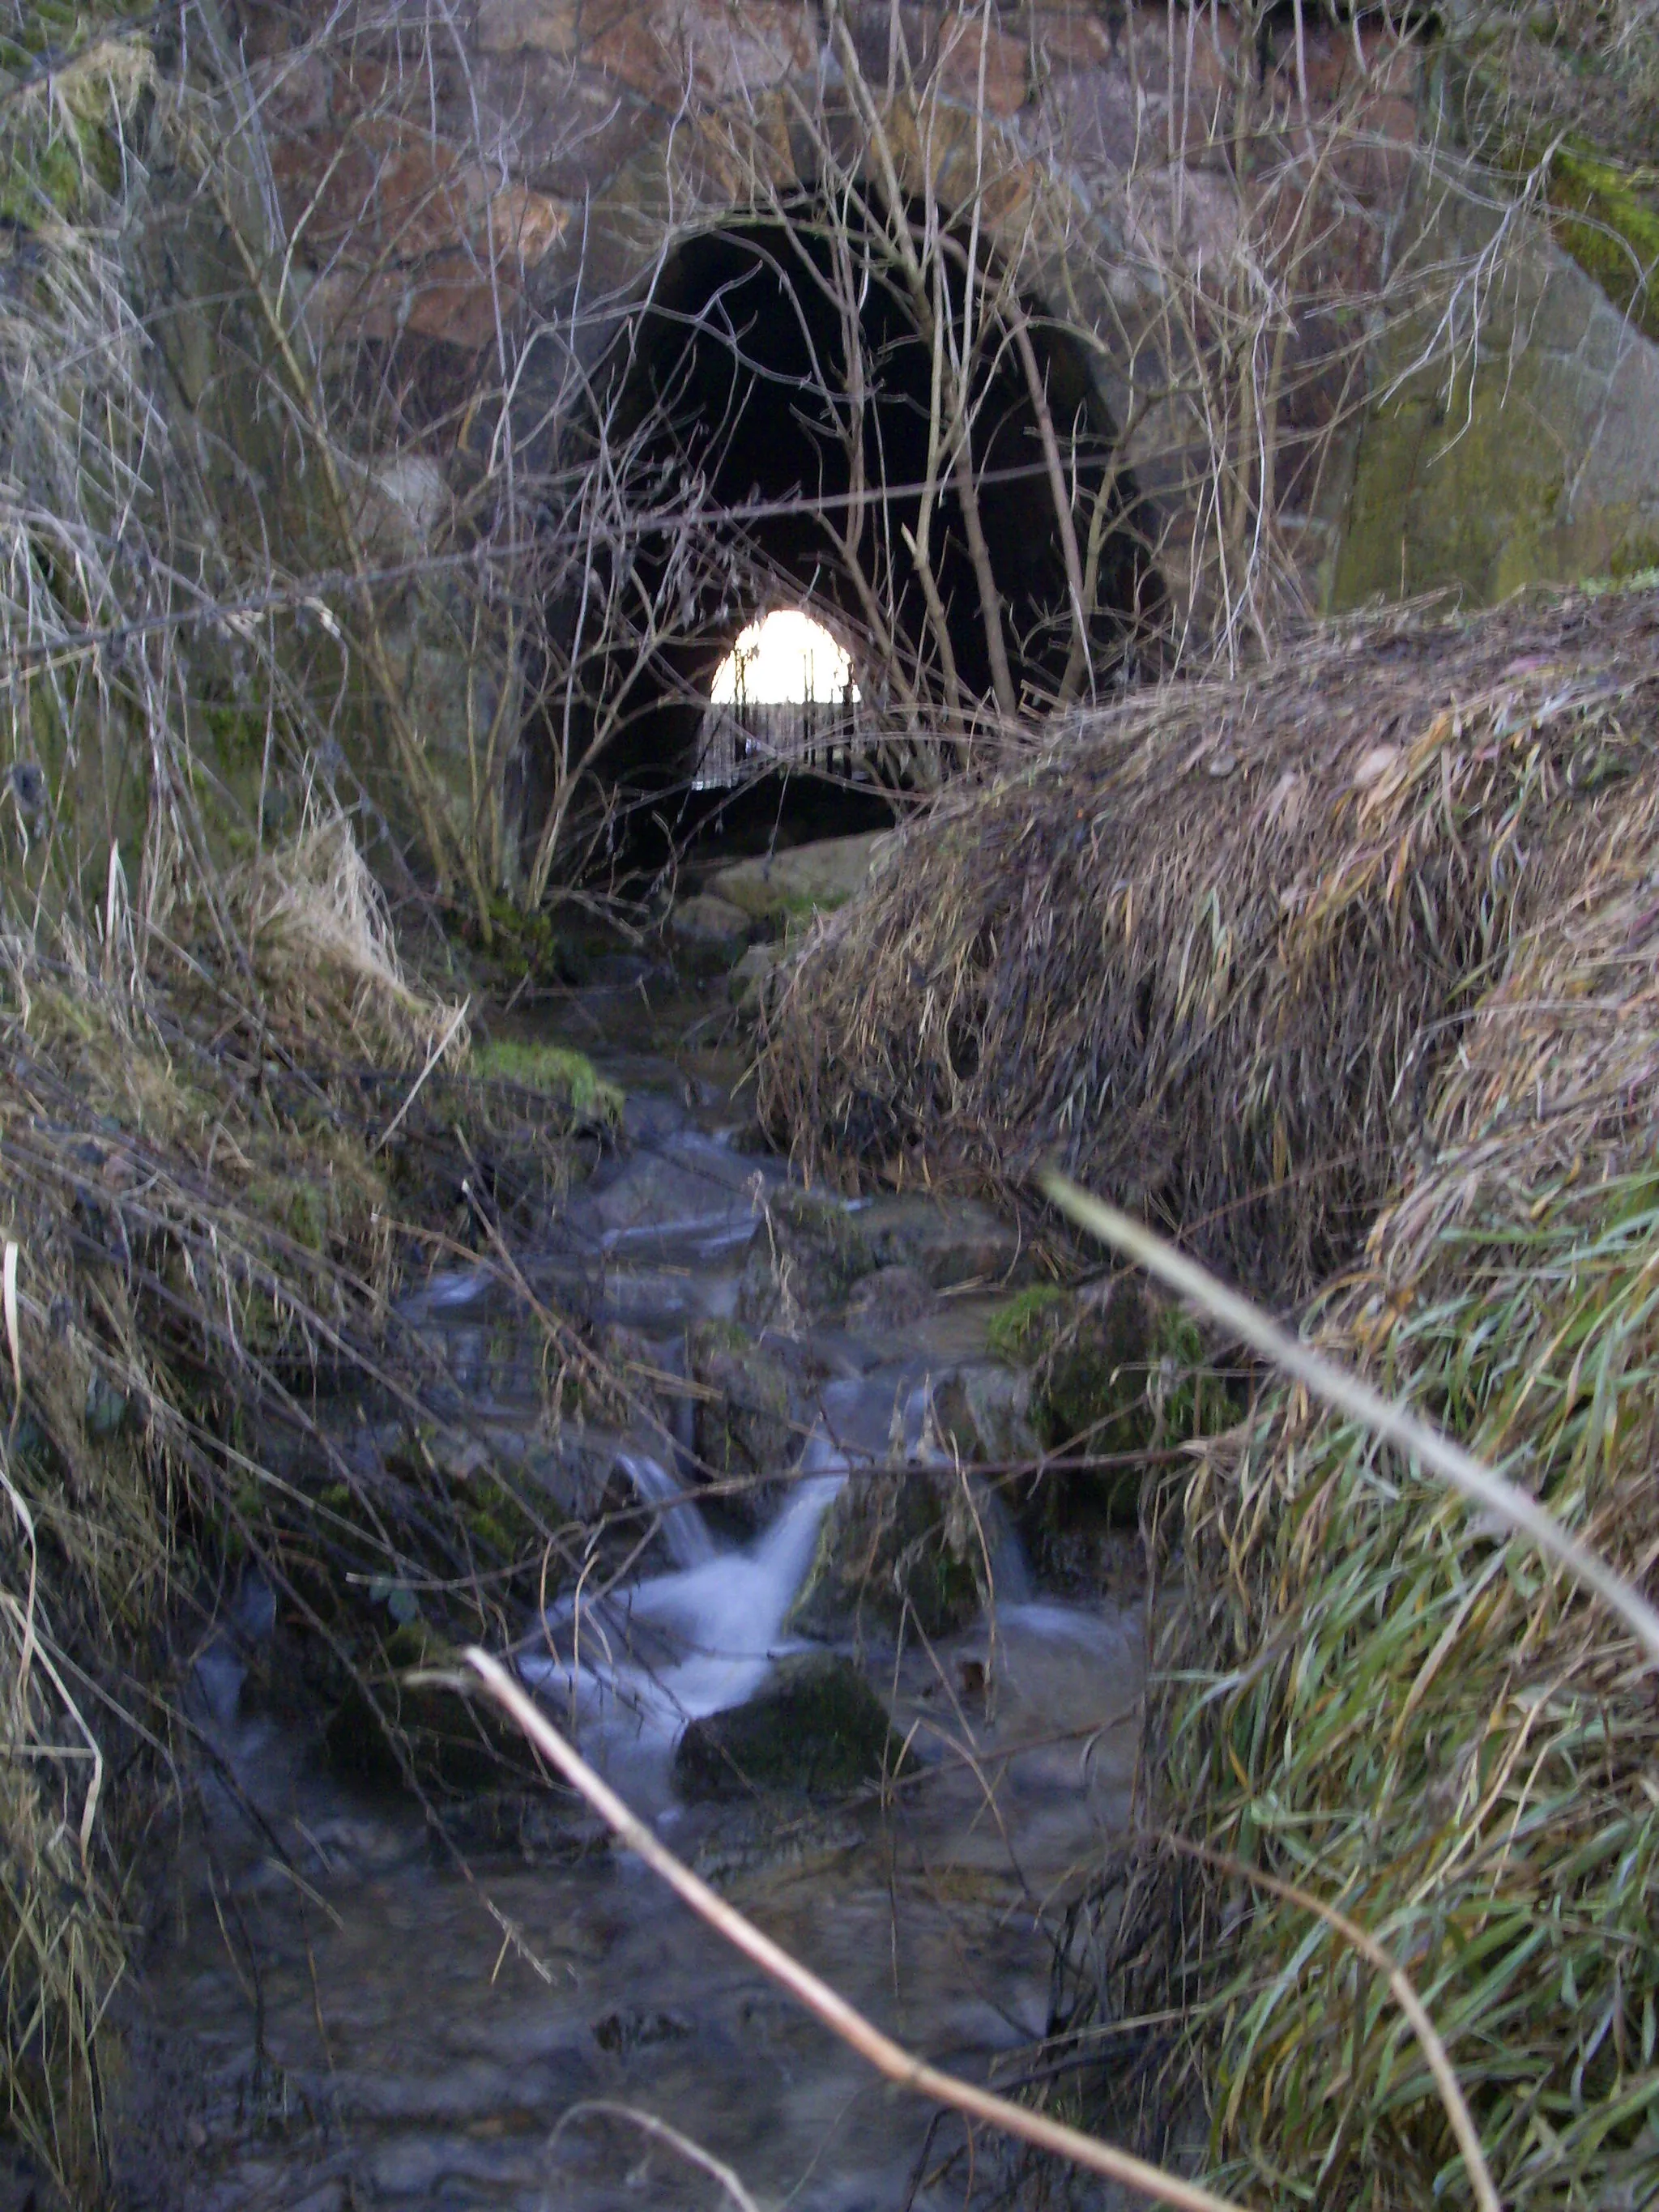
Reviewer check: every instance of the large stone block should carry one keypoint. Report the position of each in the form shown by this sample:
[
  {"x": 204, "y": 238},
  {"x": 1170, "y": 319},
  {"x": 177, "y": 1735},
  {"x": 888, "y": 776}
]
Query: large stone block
[
  {"x": 1537, "y": 461},
  {"x": 506, "y": 27},
  {"x": 803, "y": 879},
  {"x": 982, "y": 66},
  {"x": 419, "y": 237},
  {"x": 712, "y": 49}
]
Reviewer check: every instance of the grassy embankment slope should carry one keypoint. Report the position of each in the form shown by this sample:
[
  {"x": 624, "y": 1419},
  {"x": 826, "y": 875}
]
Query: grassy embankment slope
[{"x": 1349, "y": 974}]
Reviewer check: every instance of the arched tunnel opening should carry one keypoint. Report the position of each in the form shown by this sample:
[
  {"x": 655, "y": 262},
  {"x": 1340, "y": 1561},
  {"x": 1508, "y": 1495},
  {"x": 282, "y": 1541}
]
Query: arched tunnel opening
[{"x": 862, "y": 419}]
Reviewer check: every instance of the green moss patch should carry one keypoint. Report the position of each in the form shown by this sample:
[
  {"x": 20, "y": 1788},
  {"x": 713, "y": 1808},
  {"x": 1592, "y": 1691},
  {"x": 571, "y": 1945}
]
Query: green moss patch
[
  {"x": 1019, "y": 1329},
  {"x": 553, "y": 1070},
  {"x": 1605, "y": 218}
]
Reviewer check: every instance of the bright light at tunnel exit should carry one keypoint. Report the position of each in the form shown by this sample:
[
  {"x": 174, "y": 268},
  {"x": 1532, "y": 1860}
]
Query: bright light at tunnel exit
[{"x": 785, "y": 658}]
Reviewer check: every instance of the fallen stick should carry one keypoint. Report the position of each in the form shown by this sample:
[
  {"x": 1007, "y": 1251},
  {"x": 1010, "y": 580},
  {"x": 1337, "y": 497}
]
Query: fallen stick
[
  {"x": 887, "y": 2056},
  {"x": 1348, "y": 1394},
  {"x": 433, "y": 1058}
]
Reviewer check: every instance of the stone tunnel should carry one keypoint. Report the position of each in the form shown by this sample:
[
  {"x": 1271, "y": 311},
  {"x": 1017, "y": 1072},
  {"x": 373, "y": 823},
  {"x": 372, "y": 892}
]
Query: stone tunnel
[
  {"x": 609, "y": 202},
  {"x": 802, "y": 408}
]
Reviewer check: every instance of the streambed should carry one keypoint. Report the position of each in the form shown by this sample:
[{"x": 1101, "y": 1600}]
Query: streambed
[{"x": 336, "y": 2015}]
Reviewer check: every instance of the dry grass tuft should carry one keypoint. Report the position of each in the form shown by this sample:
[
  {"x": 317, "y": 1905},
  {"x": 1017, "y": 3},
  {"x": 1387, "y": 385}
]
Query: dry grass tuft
[
  {"x": 322, "y": 947},
  {"x": 1372, "y": 938},
  {"x": 1211, "y": 950}
]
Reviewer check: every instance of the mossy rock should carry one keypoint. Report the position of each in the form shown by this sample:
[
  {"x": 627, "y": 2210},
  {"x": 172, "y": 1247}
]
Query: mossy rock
[
  {"x": 895, "y": 1539},
  {"x": 1611, "y": 231},
  {"x": 748, "y": 1435},
  {"x": 1022, "y": 1325},
  {"x": 1114, "y": 1370},
  {"x": 552, "y": 1071},
  {"x": 815, "y": 1729},
  {"x": 982, "y": 1410},
  {"x": 454, "y": 1742},
  {"x": 481, "y": 1495},
  {"x": 809, "y": 1254},
  {"x": 1087, "y": 1355}
]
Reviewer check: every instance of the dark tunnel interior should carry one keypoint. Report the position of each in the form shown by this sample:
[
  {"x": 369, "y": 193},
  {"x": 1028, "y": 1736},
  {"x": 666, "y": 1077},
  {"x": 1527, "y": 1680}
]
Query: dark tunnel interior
[{"x": 740, "y": 374}]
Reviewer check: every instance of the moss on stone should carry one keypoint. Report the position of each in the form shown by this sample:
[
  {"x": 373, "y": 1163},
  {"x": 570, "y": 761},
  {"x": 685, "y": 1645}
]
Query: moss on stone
[
  {"x": 895, "y": 1539},
  {"x": 552, "y": 1070},
  {"x": 1611, "y": 228},
  {"x": 1019, "y": 1329},
  {"x": 817, "y": 1728}
]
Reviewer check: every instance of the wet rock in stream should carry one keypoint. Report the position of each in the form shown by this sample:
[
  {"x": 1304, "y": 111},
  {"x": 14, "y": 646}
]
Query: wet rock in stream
[
  {"x": 751, "y": 985},
  {"x": 983, "y": 1411},
  {"x": 896, "y": 1542},
  {"x": 1113, "y": 1374},
  {"x": 445, "y": 1737},
  {"x": 806, "y": 1259},
  {"x": 814, "y": 1251},
  {"x": 754, "y": 1844},
  {"x": 709, "y": 930},
  {"x": 749, "y": 1427},
  {"x": 892, "y": 1299},
  {"x": 815, "y": 1729},
  {"x": 819, "y": 1361}
]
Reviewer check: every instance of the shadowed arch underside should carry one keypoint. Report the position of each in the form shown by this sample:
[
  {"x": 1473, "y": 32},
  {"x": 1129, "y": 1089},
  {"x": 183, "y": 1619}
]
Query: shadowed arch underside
[{"x": 871, "y": 424}]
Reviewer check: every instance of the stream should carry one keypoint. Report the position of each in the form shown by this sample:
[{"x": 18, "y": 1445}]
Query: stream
[{"x": 370, "y": 2024}]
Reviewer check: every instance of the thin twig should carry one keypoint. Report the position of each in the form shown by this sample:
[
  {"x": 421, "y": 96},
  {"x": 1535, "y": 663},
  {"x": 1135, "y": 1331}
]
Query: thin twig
[{"x": 1348, "y": 1394}]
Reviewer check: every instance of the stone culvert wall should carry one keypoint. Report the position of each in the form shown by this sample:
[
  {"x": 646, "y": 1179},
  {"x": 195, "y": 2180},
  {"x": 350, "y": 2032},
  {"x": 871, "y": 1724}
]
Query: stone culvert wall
[
  {"x": 473, "y": 195},
  {"x": 458, "y": 179}
]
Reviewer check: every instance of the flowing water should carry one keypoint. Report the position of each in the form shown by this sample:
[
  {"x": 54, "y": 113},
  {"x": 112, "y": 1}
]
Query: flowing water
[{"x": 336, "y": 2015}]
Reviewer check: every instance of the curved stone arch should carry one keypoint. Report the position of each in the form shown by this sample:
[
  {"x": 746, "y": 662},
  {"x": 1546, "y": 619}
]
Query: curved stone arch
[{"x": 720, "y": 175}]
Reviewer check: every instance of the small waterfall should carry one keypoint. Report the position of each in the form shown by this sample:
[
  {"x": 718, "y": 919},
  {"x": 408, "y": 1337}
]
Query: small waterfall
[
  {"x": 683, "y": 1529},
  {"x": 677, "y": 1646}
]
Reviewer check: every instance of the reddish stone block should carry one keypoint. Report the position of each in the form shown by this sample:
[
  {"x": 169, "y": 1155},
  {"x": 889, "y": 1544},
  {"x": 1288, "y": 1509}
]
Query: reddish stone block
[
  {"x": 714, "y": 50},
  {"x": 1072, "y": 38},
  {"x": 509, "y": 26},
  {"x": 1006, "y": 63}
]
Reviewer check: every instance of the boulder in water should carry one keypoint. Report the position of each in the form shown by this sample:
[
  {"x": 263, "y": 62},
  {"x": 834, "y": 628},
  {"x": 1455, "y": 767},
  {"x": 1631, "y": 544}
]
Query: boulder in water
[
  {"x": 1111, "y": 1372},
  {"x": 751, "y": 981},
  {"x": 747, "y": 1434},
  {"x": 890, "y": 1298},
  {"x": 802, "y": 880},
  {"x": 950, "y": 1242},
  {"x": 816, "y": 1728},
  {"x": 815, "y": 1249},
  {"x": 390, "y": 1728},
  {"x": 897, "y": 1538},
  {"x": 984, "y": 1410},
  {"x": 809, "y": 1254},
  {"x": 710, "y": 929}
]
